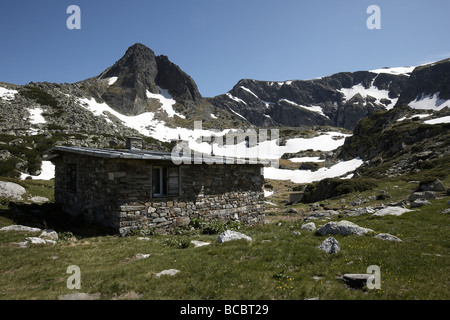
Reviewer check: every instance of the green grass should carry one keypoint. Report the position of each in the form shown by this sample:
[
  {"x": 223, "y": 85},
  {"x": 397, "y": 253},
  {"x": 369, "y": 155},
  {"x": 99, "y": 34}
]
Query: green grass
[{"x": 275, "y": 265}]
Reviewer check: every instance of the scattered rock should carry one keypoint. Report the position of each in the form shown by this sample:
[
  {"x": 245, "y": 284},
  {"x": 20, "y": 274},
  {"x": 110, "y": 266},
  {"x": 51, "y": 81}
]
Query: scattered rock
[
  {"x": 391, "y": 211},
  {"x": 428, "y": 195},
  {"x": 37, "y": 199},
  {"x": 359, "y": 211},
  {"x": 324, "y": 214},
  {"x": 446, "y": 211},
  {"x": 296, "y": 233},
  {"x": 36, "y": 240},
  {"x": 230, "y": 235},
  {"x": 170, "y": 272},
  {"x": 419, "y": 202},
  {"x": 343, "y": 227},
  {"x": 49, "y": 234},
  {"x": 143, "y": 238},
  {"x": 291, "y": 210},
  {"x": 20, "y": 228},
  {"x": 11, "y": 190},
  {"x": 310, "y": 226},
  {"x": 197, "y": 243},
  {"x": 435, "y": 185},
  {"x": 387, "y": 237},
  {"x": 80, "y": 296},
  {"x": 330, "y": 245}
]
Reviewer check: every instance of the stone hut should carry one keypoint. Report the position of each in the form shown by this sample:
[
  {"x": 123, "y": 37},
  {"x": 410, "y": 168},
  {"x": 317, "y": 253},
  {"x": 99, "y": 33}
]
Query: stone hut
[{"x": 131, "y": 188}]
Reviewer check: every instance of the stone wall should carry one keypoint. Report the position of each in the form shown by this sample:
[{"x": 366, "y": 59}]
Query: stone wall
[{"x": 118, "y": 193}]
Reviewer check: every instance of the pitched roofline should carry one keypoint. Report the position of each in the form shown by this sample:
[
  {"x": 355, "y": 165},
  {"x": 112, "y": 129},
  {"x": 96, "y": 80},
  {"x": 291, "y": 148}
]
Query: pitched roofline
[{"x": 138, "y": 154}]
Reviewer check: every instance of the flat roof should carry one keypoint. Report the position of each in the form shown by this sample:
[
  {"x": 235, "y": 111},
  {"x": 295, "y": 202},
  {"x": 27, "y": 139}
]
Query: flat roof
[{"x": 139, "y": 154}]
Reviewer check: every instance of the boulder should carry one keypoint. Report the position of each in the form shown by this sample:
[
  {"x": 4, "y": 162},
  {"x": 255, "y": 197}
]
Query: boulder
[
  {"x": 20, "y": 228},
  {"x": 390, "y": 211},
  {"x": 387, "y": 237},
  {"x": 419, "y": 202},
  {"x": 230, "y": 235},
  {"x": 435, "y": 185},
  {"x": 49, "y": 234},
  {"x": 36, "y": 240},
  {"x": 359, "y": 211},
  {"x": 330, "y": 245},
  {"x": 11, "y": 190},
  {"x": 38, "y": 199},
  {"x": 310, "y": 226},
  {"x": 343, "y": 228},
  {"x": 428, "y": 195}
]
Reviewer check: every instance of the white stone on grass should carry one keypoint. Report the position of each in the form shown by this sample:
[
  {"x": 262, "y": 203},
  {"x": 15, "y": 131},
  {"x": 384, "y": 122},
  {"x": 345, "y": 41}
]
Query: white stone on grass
[
  {"x": 230, "y": 235},
  {"x": 170, "y": 272},
  {"x": 20, "y": 228},
  {"x": 330, "y": 245},
  {"x": 343, "y": 228},
  {"x": 391, "y": 211}
]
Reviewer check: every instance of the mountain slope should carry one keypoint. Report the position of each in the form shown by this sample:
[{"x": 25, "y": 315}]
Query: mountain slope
[{"x": 341, "y": 100}]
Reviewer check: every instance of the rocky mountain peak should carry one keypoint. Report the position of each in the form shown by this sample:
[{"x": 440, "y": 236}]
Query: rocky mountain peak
[{"x": 125, "y": 85}]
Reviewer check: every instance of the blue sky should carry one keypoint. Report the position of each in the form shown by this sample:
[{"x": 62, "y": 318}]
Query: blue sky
[{"x": 219, "y": 42}]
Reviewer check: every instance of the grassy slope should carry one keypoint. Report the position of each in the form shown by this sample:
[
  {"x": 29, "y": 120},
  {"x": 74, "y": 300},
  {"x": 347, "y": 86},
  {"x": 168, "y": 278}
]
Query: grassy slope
[{"x": 275, "y": 265}]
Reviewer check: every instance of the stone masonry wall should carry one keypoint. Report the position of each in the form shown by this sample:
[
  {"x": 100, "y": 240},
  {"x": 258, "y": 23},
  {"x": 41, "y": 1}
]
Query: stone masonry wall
[{"x": 118, "y": 193}]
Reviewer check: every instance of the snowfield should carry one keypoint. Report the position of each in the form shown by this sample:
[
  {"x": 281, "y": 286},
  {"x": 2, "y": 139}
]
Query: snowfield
[{"x": 267, "y": 150}]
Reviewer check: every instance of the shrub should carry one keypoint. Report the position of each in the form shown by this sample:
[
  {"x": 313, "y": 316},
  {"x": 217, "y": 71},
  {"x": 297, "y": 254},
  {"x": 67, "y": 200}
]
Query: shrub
[{"x": 40, "y": 96}]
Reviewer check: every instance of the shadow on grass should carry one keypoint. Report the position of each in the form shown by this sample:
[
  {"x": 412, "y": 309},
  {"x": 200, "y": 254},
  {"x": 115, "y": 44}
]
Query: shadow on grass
[{"x": 51, "y": 216}]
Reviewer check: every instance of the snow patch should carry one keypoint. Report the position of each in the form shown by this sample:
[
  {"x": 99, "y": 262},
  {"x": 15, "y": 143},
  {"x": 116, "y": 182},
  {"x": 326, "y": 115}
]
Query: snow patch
[
  {"x": 229, "y": 95},
  {"x": 249, "y": 91},
  {"x": 7, "y": 94},
  {"x": 373, "y": 91},
  {"x": 396, "y": 71},
  {"x": 430, "y": 102},
  {"x": 166, "y": 100},
  {"x": 438, "y": 120},
  {"x": 47, "y": 172},
  {"x": 36, "y": 116},
  {"x": 315, "y": 109},
  {"x": 413, "y": 116},
  {"x": 112, "y": 80},
  {"x": 238, "y": 114},
  {"x": 307, "y": 176},
  {"x": 306, "y": 159},
  {"x": 268, "y": 193},
  {"x": 213, "y": 116}
]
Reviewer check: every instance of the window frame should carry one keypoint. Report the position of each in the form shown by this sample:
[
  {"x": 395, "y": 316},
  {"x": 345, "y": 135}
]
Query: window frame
[{"x": 163, "y": 172}]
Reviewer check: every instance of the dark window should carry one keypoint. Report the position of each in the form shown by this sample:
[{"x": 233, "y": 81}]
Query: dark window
[
  {"x": 165, "y": 181},
  {"x": 71, "y": 174}
]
